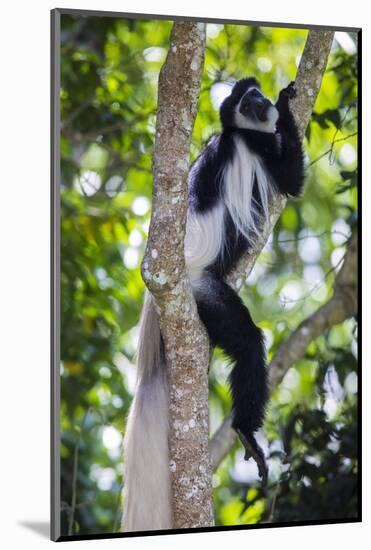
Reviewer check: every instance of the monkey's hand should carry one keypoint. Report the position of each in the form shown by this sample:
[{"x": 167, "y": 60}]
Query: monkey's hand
[
  {"x": 252, "y": 449},
  {"x": 285, "y": 95}
]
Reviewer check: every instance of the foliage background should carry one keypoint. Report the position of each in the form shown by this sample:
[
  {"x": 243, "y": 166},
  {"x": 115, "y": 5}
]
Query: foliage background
[{"x": 109, "y": 72}]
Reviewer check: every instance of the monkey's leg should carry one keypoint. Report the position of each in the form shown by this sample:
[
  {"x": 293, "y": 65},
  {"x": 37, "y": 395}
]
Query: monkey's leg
[{"x": 230, "y": 326}]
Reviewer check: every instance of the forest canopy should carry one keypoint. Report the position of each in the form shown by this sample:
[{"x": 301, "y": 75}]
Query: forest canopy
[{"x": 109, "y": 75}]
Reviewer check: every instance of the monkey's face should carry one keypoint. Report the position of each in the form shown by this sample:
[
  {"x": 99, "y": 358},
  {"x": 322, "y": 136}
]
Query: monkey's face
[
  {"x": 253, "y": 105},
  {"x": 248, "y": 108}
]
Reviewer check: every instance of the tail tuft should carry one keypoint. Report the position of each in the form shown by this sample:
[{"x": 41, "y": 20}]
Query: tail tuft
[{"x": 147, "y": 500}]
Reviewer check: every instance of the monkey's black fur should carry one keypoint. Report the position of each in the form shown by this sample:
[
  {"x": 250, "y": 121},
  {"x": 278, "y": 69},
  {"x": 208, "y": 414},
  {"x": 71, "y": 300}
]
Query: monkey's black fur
[{"x": 227, "y": 320}]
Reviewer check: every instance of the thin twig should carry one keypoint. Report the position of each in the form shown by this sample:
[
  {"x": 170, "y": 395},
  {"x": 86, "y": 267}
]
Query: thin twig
[
  {"x": 80, "y": 137},
  {"x": 76, "y": 112},
  {"x": 315, "y": 287},
  {"x": 332, "y": 147},
  {"x": 72, "y": 508},
  {"x": 312, "y": 236},
  {"x": 338, "y": 130}
]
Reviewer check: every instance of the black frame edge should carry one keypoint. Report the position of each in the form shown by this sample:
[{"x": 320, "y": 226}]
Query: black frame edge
[
  {"x": 54, "y": 277},
  {"x": 304, "y": 523}
]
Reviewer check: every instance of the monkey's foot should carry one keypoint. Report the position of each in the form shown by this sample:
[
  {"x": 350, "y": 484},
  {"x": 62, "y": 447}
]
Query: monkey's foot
[{"x": 253, "y": 450}]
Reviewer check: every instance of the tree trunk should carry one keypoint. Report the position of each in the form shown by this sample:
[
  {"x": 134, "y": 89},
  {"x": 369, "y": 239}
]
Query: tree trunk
[{"x": 163, "y": 269}]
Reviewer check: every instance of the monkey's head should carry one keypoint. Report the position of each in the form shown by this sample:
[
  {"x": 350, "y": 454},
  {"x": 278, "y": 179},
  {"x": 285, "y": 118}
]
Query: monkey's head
[{"x": 248, "y": 108}]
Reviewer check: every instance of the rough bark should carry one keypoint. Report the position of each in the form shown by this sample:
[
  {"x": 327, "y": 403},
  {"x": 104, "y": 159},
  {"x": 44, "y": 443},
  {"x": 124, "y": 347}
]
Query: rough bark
[
  {"x": 163, "y": 270},
  {"x": 341, "y": 306}
]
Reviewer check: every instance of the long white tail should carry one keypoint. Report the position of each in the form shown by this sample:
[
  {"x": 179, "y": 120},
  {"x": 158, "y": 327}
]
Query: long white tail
[{"x": 147, "y": 504}]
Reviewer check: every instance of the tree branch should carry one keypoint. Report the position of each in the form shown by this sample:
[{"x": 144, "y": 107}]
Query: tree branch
[
  {"x": 163, "y": 269},
  {"x": 91, "y": 137},
  {"x": 341, "y": 306}
]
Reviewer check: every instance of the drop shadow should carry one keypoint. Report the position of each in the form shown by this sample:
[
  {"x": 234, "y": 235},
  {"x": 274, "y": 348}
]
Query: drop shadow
[{"x": 42, "y": 528}]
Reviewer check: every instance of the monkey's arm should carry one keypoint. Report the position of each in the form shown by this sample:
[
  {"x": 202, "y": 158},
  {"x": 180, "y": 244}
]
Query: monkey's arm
[
  {"x": 281, "y": 151},
  {"x": 288, "y": 169}
]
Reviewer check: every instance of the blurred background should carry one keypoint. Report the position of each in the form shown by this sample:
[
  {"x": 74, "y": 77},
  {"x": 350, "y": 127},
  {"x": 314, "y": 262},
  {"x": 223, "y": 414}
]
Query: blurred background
[{"x": 109, "y": 72}]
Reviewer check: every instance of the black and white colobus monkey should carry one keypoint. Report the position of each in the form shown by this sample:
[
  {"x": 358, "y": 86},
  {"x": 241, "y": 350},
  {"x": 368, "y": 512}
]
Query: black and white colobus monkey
[{"x": 257, "y": 154}]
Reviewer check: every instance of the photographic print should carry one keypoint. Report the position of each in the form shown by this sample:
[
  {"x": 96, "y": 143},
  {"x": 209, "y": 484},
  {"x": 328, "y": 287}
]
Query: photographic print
[{"x": 204, "y": 284}]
